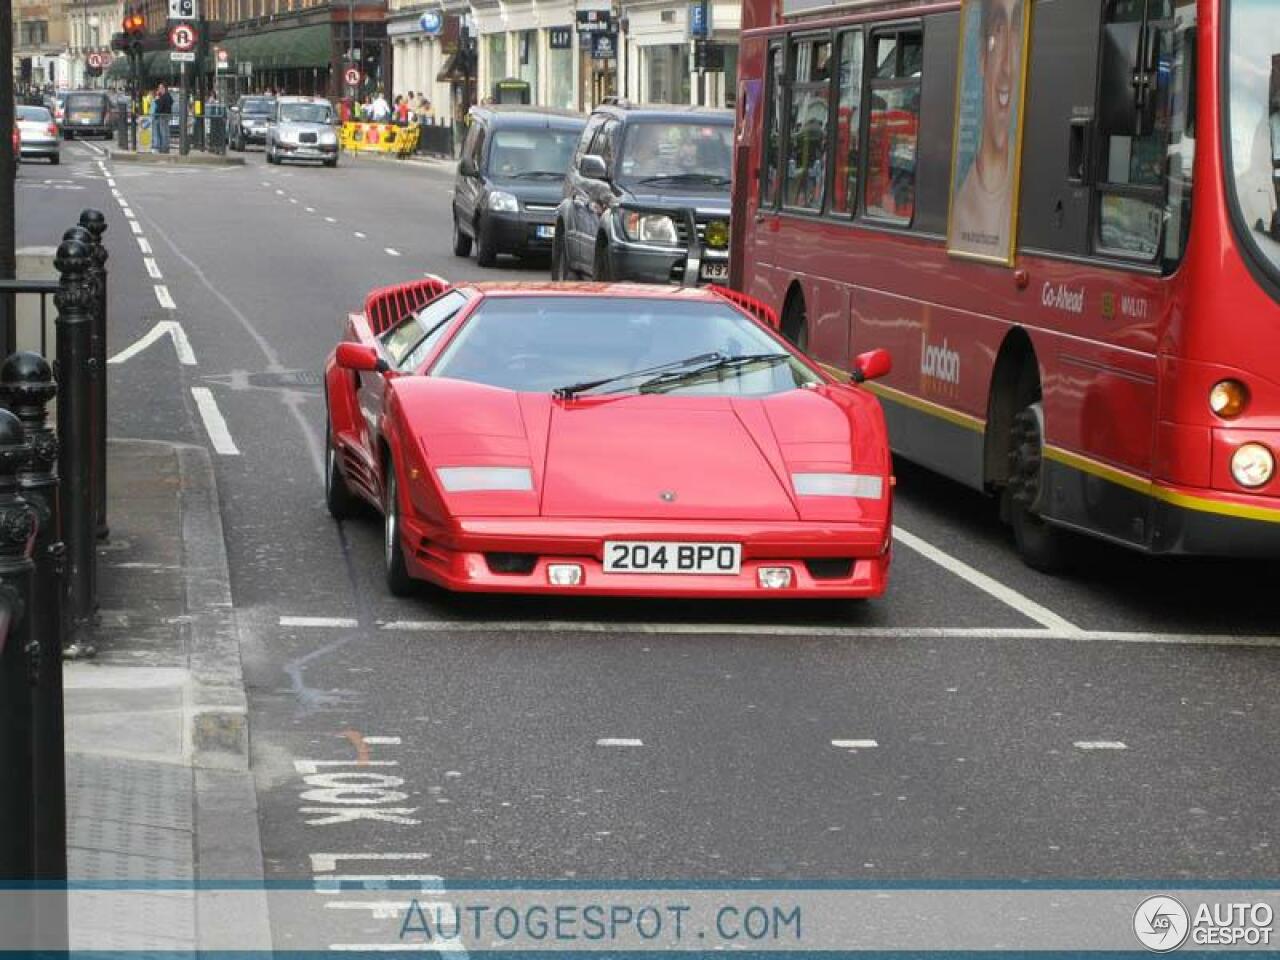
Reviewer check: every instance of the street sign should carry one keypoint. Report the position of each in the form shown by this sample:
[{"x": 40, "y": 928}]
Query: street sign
[
  {"x": 431, "y": 22},
  {"x": 182, "y": 56},
  {"x": 182, "y": 37},
  {"x": 604, "y": 46},
  {"x": 223, "y": 58},
  {"x": 352, "y": 76},
  {"x": 182, "y": 9},
  {"x": 593, "y": 21},
  {"x": 98, "y": 60},
  {"x": 561, "y": 38}
]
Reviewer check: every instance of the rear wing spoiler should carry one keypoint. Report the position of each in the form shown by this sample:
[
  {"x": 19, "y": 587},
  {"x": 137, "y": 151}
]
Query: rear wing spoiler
[
  {"x": 757, "y": 308},
  {"x": 384, "y": 307}
]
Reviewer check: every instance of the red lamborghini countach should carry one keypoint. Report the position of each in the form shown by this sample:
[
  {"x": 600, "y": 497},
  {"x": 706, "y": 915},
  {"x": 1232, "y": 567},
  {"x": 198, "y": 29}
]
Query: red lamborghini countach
[{"x": 606, "y": 439}]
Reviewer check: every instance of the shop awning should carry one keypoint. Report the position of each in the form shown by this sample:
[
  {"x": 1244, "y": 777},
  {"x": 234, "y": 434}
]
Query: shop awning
[{"x": 288, "y": 49}]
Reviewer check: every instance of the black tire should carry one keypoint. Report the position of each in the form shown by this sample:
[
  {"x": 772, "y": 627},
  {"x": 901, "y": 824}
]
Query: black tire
[
  {"x": 486, "y": 245},
  {"x": 331, "y": 163},
  {"x": 461, "y": 242},
  {"x": 55, "y": 159},
  {"x": 795, "y": 322},
  {"x": 600, "y": 270},
  {"x": 1041, "y": 545},
  {"x": 398, "y": 580},
  {"x": 337, "y": 495},
  {"x": 558, "y": 272}
]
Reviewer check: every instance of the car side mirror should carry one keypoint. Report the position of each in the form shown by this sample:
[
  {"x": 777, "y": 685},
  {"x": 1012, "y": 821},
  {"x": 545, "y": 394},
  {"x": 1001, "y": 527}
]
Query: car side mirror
[
  {"x": 359, "y": 356},
  {"x": 592, "y": 167},
  {"x": 467, "y": 167},
  {"x": 872, "y": 365}
]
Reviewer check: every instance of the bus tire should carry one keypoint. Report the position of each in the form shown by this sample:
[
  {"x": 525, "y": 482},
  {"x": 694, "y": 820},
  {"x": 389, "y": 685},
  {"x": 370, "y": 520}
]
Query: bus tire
[
  {"x": 1041, "y": 545},
  {"x": 795, "y": 321}
]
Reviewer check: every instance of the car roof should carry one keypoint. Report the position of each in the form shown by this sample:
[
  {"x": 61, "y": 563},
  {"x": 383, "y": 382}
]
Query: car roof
[
  {"x": 601, "y": 291},
  {"x": 674, "y": 111},
  {"x": 296, "y": 99},
  {"x": 519, "y": 115}
]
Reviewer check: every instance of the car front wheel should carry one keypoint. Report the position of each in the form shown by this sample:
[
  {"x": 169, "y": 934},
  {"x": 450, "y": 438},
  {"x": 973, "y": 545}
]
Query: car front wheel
[
  {"x": 398, "y": 580},
  {"x": 337, "y": 495},
  {"x": 486, "y": 245},
  {"x": 461, "y": 242}
]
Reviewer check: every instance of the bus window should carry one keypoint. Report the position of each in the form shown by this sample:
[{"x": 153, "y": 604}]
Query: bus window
[
  {"x": 893, "y": 125},
  {"x": 1147, "y": 143},
  {"x": 774, "y": 105},
  {"x": 844, "y": 187},
  {"x": 807, "y": 140}
]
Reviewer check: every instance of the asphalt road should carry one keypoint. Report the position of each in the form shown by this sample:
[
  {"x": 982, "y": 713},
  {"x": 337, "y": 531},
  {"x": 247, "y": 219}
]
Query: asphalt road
[{"x": 967, "y": 692}]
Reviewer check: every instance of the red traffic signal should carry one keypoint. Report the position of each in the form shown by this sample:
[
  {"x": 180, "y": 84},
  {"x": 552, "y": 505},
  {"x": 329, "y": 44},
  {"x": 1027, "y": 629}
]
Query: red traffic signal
[{"x": 134, "y": 23}]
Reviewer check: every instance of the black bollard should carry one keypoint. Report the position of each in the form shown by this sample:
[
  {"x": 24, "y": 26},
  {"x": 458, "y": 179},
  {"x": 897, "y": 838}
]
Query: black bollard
[
  {"x": 26, "y": 388},
  {"x": 18, "y": 657},
  {"x": 75, "y": 301},
  {"x": 96, "y": 224}
]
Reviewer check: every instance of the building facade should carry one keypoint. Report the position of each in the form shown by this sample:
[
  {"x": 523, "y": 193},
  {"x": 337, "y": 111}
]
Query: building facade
[
  {"x": 39, "y": 46},
  {"x": 427, "y": 56}
]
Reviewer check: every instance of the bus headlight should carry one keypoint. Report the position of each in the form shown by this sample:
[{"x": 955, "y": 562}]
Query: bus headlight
[
  {"x": 1228, "y": 398},
  {"x": 1252, "y": 465}
]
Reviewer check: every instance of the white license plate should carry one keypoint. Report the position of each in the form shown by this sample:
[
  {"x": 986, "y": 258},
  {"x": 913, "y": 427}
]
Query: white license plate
[
  {"x": 642, "y": 556},
  {"x": 714, "y": 271},
  {"x": 544, "y": 231}
]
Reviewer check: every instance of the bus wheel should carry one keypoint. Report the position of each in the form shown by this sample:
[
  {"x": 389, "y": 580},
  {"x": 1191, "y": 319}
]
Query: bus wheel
[
  {"x": 795, "y": 322},
  {"x": 1042, "y": 546}
]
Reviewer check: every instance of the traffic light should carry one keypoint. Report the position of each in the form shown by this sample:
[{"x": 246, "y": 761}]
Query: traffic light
[{"x": 134, "y": 23}]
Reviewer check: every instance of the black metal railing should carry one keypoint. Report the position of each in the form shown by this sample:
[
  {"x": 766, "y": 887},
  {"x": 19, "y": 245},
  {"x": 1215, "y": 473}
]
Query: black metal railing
[
  {"x": 52, "y": 510},
  {"x": 13, "y": 295}
]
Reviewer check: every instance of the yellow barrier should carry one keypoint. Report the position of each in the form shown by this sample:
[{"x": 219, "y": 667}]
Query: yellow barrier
[{"x": 361, "y": 137}]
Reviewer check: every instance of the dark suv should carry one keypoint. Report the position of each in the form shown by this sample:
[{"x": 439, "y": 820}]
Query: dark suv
[
  {"x": 647, "y": 197},
  {"x": 248, "y": 121},
  {"x": 510, "y": 179}
]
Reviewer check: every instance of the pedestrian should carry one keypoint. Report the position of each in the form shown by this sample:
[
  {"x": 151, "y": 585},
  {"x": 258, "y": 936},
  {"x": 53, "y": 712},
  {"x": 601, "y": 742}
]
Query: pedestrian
[
  {"x": 381, "y": 109},
  {"x": 366, "y": 109},
  {"x": 402, "y": 111},
  {"x": 162, "y": 105}
]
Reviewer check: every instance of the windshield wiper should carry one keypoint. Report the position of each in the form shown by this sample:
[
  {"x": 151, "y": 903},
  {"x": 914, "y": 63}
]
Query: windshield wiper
[
  {"x": 718, "y": 365},
  {"x": 530, "y": 174},
  {"x": 714, "y": 178},
  {"x": 573, "y": 389}
]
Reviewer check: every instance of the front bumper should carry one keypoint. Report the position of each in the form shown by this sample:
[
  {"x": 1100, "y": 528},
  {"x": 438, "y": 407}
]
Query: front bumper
[
  {"x": 526, "y": 231},
  {"x": 457, "y": 557},
  {"x": 307, "y": 151},
  {"x": 648, "y": 263},
  {"x": 256, "y": 135}
]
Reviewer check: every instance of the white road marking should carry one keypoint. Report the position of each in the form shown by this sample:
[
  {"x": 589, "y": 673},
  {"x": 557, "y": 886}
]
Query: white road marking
[
  {"x": 382, "y": 741},
  {"x": 169, "y": 328},
  {"x": 111, "y": 182},
  {"x": 214, "y": 424},
  {"x": 129, "y": 214},
  {"x": 358, "y": 235},
  {"x": 1006, "y": 595},
  {"x": 293, "y": 199},
  {"x": 618, "y": 742},
  {"x": 144, "y": 245},
  {"x": 115, "y": 193},
  {"x": 279, "y": 193},
  {"x": 854, "y": 744},
  {"x": 335, "y": 622},
  {"x": 162, "y": 294},
  {"x": 135, "y": 226},
  {"x": 153, "y": 271},
  {"x": 337, "y": 882},
  {"x": 392, "y": 251},
  {"x": 330, "y": 220},
  {"x": 328, "y": 862},
  {"x": 266, "y": 183},
  {"x": 311, "y": 209},
  {"x": 1100, "y": 745}
]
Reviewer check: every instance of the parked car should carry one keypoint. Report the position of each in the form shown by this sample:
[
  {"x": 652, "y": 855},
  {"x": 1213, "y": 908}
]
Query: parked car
[
  {"x": 606, "y": 439},
  {"x": 88, "y": 113},
  {"x": 646, "y": 197},
  {"x": 511, "y": 179},
  {"x": 247, "y": 121},
  {"x": 302, "y": 128},
  {"x": 38, "y": 134}
]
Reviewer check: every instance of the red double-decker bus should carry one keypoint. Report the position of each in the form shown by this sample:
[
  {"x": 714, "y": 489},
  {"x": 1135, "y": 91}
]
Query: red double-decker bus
[{"x": 1060, "y": 217}]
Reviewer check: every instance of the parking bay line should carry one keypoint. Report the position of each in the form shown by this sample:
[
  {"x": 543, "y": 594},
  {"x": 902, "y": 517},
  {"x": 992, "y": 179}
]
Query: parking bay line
[
  {"x": 214, "y": 424},
  {"x": 989, "y": 585}
]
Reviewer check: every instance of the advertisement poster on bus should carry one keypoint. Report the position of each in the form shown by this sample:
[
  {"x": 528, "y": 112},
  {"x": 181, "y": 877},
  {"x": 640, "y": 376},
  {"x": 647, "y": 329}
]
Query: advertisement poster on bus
[{"x": 987, "y": 153}]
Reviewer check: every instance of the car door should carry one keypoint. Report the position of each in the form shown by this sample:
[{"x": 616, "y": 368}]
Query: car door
[
  {"x": 467, "y": 188},
  {"x": 575, "y": 194}
]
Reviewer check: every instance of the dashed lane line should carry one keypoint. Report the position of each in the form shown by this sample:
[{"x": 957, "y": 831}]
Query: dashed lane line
[
  {"x": 330, "y": 220},
  {"x": 153, "y": 270},
  {"x": 855, "y": 744},
  {"x": 144, "y": 245},
  {"x": 332, "y": 622},
  {"x": 619, "y": 742},
  {"x": 214, "y": 423},
  {"x": 391, "y": 251},
  {"x": 1100, "y": 745},
  {"x": 358, "y": 235},
  {"x": 989, "y": 585},
  {"x": 135, "y": 226},
  {"x": 165, "y": 298}
]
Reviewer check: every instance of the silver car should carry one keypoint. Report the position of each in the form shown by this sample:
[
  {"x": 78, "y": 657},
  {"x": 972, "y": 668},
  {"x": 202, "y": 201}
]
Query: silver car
[
  {"x": 302, "y": 128},
  {"x": 38, "y": 134}
]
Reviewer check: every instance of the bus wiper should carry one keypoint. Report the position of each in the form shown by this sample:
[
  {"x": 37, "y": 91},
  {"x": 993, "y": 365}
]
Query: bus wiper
[
  {"x": 714, "y": 178},
  {"x": 718, "y": 365},
  {"x": 573, "y": 389}
]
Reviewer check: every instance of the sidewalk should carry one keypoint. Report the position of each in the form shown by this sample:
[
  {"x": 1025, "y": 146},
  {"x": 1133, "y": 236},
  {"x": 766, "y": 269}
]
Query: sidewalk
[{"x": 158, "y": 782}]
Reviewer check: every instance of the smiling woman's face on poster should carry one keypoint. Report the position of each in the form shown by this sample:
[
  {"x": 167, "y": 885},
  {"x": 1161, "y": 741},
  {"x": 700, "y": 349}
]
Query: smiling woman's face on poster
[{"x": 984, "y": 171}]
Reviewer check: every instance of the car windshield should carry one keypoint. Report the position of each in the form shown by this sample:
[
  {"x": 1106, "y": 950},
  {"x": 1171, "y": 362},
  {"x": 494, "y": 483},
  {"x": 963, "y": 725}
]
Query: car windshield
[
  {"x": 676, "y": 151},
  {"x": 531, "y": 152},
  {"x": 259, "y": 106},
  {"x": 539, "y": 344},
  {"x": 305, "y": 113},
  {"x": 1254, "y": 118},
  {"x": 83, "y": 104},
  {"x": 36, "y": 114}
]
